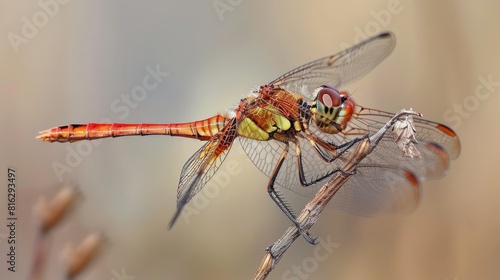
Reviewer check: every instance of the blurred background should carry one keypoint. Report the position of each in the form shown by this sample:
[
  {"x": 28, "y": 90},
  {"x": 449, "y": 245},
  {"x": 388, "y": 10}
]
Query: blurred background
[{"x": 80, "y": 61}]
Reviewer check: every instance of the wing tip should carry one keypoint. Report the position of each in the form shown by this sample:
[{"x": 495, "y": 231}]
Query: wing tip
[
  {"x": 450, "y": 133},
  {"x": 386, "y": 34}
]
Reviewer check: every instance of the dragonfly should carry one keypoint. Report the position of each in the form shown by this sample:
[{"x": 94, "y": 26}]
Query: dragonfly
[{"x": 299, "y": 129}]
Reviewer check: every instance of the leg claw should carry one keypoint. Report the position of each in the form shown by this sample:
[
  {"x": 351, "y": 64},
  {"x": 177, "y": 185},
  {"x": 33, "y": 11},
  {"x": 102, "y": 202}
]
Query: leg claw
[
  {"x": 348, "y": 172},
  {"x": 311, "y": 240}
]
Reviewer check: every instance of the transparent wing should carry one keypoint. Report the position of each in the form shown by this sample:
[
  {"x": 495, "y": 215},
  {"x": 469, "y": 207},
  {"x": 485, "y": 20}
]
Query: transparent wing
[
  {"x": 375, "y": 188},
  {"x": 385, "y": 179},
  {"x": 202, "y": 165},
  {"x": 265, "y": 156},
  {"x": 341, "y": 68},
  {"x": 437, "y": 143},
  {"x": 378, "y": 189}
]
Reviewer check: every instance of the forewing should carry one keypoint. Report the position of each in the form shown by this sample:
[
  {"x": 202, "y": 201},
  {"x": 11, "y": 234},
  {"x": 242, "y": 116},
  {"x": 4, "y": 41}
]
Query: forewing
[
  {"x": 387, "y": 180},
  {"x": 437, "y": 144},
  {"x": 341, "y": 68}
]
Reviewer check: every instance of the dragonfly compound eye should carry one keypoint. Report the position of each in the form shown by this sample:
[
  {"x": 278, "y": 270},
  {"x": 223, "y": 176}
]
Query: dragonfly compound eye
[{"x": 329, "y": 97}]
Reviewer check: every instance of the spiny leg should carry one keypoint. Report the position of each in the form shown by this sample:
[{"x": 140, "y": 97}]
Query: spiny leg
[
  {"x": 280, "y": 202},
  {"x": 303, "y": 181},
  {"x": 318, "y": 143}
]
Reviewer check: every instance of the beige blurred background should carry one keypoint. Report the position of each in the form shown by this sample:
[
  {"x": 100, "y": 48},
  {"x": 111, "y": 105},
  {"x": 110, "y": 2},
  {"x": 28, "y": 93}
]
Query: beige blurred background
[{"x": 87, "y": 54}]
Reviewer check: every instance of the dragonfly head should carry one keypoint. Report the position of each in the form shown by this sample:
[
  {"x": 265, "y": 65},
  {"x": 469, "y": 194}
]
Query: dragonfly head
[{"x": 331, "y": 110}]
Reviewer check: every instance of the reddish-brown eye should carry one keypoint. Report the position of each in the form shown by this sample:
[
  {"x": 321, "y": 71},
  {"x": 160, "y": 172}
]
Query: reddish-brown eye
[{"x": 329, "y": 97}]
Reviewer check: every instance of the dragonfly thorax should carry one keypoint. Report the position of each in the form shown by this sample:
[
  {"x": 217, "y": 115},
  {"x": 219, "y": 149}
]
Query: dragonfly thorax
[{"x": 332, "y": 110}]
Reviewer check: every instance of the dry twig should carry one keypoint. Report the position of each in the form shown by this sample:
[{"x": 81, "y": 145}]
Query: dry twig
[{"x": 49, "y": 214}]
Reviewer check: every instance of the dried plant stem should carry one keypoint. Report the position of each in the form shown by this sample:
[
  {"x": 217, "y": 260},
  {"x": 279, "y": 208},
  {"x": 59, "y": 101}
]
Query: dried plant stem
[
  {"x": 40, "y": 255},
  {"x": 310, "y": 214}
]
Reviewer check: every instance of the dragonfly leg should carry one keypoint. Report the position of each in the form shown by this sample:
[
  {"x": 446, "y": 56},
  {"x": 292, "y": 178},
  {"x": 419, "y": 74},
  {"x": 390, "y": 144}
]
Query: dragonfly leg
[
  {"x": 281, "y": 202},
  {"x": 303, "y": 181},
  {"x": 319, "y": 144}
]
